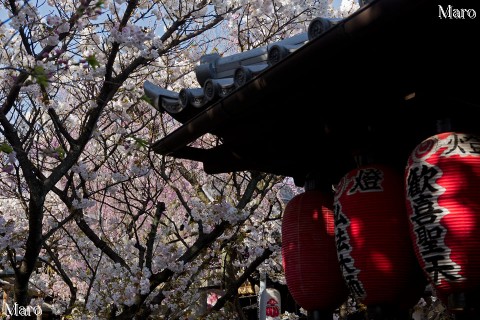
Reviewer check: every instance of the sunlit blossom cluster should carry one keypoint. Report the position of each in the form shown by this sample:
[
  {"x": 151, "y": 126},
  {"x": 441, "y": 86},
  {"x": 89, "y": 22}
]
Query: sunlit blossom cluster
[{"x": 130, "y": 35}]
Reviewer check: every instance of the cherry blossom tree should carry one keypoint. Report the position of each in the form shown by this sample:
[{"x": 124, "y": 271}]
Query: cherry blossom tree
[{"x": 92, "y": 221}]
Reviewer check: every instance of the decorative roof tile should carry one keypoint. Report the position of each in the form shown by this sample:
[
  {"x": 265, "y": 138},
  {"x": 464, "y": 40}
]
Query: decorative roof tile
[{"x": 219, "y": 76}]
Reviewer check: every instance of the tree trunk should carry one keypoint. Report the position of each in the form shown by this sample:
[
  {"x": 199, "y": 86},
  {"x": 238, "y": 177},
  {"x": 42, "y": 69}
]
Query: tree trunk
[{"x": 26, "y": 266}]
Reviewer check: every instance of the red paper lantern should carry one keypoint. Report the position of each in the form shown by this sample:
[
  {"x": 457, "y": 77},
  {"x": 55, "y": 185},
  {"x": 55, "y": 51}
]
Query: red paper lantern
[
  {"x": 372, "y": 238},
  {"x": 443, "y": 202},
  {"x": 309, "y": 256}
]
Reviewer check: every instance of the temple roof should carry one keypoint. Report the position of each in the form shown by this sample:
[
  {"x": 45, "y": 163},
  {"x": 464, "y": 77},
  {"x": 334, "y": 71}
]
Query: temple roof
[{"x": 372, "y": 85}]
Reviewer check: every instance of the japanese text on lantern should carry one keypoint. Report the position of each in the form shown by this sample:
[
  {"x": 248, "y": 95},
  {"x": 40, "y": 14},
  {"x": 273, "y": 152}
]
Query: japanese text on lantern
[
  {"x": 463, "y": 145},
  {"x": 344, "y": 249},
  {"x": 430, "y": 234},
  {"x": 367, "y": 180}
]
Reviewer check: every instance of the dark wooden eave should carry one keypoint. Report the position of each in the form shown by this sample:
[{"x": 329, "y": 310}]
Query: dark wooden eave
[{"x": 377, "y": 83}]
